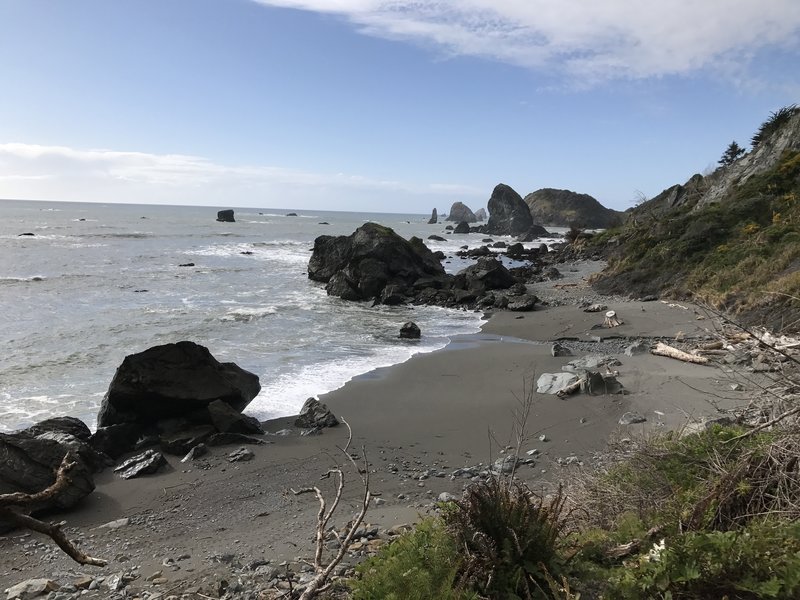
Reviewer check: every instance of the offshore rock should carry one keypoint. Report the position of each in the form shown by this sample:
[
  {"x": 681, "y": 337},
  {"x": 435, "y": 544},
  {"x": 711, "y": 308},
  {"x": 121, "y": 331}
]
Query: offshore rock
[
  {"x": 564, "y": 208},
  {"x": 487, "y": 273},
  {"x": 434, "y": 218},
  {"x": 226, "y": 216},
  {"x": 480, "y": 214},
  {"x": 508, "y": 213},
  {"x": 462, "y": 227},
  {"x": 361, "y": 265},
  {"x": 173, "y": 381},
  {"x": 461, "y": 212},
  {"x": 410, "y": 330}
]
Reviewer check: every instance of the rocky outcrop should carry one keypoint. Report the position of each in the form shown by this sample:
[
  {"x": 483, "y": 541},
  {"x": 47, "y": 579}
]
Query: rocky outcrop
[
  {"x": 434, "y": 218},
  {"x": 480, "y": 214},
  {"x": 174, "y": 381},
  {"x": 508, "y": 213},
  {"x": 410, "y": 331},
  {"x": 226, "y": 216},
  {"x": 462, "y": 227},
  {"x": 360, "y": 266},
  {"x": 461, "y": 212},
  {"x": 564, "y": 208},
  {"x": 486, "y": 274}
]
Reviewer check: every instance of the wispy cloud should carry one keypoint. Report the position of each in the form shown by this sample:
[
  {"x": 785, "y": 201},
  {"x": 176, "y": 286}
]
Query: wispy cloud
[
  {"x": 586, "y": 40},
  {"x": 64, "y": 173}
]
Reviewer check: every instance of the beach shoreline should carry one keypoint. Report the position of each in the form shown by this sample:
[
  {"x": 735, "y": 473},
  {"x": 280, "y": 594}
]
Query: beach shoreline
[{"x": 194, "y": 524}]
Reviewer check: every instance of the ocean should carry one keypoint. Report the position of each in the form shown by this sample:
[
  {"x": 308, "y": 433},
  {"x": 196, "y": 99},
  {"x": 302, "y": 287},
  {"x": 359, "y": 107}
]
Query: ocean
[{"x": 96, "y": 282}]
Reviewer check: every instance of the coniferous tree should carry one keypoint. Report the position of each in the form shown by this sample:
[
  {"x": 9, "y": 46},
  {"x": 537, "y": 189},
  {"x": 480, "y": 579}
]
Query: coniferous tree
[{"x": 732, "y": 152}]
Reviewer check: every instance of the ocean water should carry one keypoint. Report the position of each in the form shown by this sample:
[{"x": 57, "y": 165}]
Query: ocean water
[{"x": 99, "y": 281}]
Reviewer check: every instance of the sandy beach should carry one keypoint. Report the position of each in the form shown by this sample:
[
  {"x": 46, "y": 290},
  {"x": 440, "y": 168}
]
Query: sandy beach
[{"x": 194, "y": 524}]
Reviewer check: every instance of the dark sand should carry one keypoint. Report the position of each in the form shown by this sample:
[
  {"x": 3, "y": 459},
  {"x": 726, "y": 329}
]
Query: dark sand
[{"x": 435, "y": 412}]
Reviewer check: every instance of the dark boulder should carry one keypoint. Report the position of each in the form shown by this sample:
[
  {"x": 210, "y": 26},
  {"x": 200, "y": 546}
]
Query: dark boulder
[
  {"x": 360, "y": 266},
  {"x": 392, "y": 295},
  {"x": 227, "y": 419},
  {"x": 436, "y": 238},
  {"x": 315, "y": 414},
  {"x": 226, "y": 216},
  {"x": 410, "y": 331},
  {"x": 174, "y": 381},
  {"x": 291, "y": 214},
  {"x": 116, "y": 440},
  {"x": 70, "y": 425},
  {"x": 434, "y": 218},
  {"x": 461, "y": 212},
  {"x": 462, "y": 227},
  {"x": 508, "y": 213},
  {"x": 486, "y": 274}
]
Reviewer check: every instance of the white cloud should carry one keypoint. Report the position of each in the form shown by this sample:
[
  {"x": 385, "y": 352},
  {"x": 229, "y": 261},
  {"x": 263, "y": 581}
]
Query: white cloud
[
  {"x": 587, "y": 40},
  {"x": 62, "y": 173}
]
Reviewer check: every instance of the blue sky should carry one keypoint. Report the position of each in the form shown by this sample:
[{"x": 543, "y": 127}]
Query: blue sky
[{"x": 381, "y": 105}]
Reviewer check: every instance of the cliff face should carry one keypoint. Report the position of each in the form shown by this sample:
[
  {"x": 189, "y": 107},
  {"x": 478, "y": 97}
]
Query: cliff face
[
  {"x": 730, "y": 240},
  {"x": 564, "y": 208}
]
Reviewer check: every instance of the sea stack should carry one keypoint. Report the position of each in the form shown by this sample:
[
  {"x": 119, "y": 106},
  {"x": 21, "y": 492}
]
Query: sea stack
[
  {"x": 434, "y": 218},
  {"x": 226, "y": 216}
]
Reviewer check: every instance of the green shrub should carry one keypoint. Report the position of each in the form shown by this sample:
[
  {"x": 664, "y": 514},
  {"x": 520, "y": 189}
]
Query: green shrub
[
  {"x": 760, "y": 561},
  {"x": 420, "y": 565},
  {"x": 510, "y": 536}
]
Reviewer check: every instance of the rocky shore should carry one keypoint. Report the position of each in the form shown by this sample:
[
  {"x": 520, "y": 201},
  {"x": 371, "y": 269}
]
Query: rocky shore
[{"x": 226, "y": 525}]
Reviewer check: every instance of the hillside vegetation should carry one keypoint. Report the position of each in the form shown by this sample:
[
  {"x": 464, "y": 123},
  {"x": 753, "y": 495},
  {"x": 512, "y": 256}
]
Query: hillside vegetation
[{"x": 730, "y": 239}]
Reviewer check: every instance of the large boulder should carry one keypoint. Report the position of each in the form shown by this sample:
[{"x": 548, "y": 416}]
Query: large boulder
[
  {"x": 461, "y": 212},
  {"x": 462, "y": 227},
  {"x": 226, "y": 216},
  {"x": 434, "y": 218},
  {"x": 487, "y": 273},
  {"x": 361, "y": 265},
  {"x": 508, "y": 213},
  {"x": 174, "y": 381}
]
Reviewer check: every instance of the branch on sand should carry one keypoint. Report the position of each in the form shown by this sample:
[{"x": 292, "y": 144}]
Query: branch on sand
[
  {"x": 12, "y": 503},
  {"x": 320, "y": 582}
]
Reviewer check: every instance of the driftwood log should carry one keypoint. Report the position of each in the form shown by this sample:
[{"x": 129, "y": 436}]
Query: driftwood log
[
  {"x": 12, "y": 503},
  {"x": 662, "y": 349}
]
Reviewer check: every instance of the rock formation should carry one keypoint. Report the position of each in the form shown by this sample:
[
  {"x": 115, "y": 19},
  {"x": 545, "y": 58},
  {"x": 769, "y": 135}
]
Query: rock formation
[
  {"x": 174, "y": 381},
  {"x": 564, "y": 208},
  {"x": 480, "y": 214},
  {"x": 508, "y": 213},
  {"x": 434, "y": 218},
  {"x": 462, "y": 227},
  {"x": 461, "y": 212},
  {"x": 226, "y": 216},
  {"x": 360, "y": 266}
]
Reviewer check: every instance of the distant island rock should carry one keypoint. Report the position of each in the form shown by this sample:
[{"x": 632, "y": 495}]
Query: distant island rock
[
  {"x": 460, "y": 212},
  {"x": 508, "y": 213},
  {"x": 480, "y": 214},
  {"x": 434, "y": 218},
  {"x": 565, "y": 208},
  {"x": 226, "y": 216}
]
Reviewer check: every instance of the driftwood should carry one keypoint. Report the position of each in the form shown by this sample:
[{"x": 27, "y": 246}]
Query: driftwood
[
  {"x": 612, "y": 320},
  {"x": 624, "y": 550},
  {"x": 662, "y": 349},
  {"x": 322, "y": 572},
  {"x": 12, "y": 503},
  {"x": 571, "y": 388}
]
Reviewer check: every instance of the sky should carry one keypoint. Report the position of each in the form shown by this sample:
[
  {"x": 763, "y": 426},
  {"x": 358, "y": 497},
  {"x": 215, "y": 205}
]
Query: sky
[{"x": 381, "y": 105}]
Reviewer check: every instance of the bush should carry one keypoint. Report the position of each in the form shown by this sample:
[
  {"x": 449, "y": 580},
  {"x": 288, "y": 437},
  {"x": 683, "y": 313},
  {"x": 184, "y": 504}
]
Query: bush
[
  {"x": 420, "y": 565},
  {"x": 760, "y": 561},
  {"x": 510, "y": 536}
]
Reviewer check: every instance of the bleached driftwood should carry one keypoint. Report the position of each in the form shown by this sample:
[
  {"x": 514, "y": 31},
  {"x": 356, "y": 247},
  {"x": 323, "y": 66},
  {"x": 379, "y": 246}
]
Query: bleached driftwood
[
  {"x": 12, "y": 503},
  {"x": 571, "y": 388},
  {"x": 662, "y": 349},
  {"x": 611, "y": 319}
]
